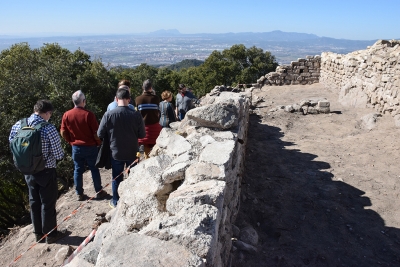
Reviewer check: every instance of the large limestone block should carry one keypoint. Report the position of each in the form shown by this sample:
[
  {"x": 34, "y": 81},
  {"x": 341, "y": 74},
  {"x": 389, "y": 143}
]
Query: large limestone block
[
  {"x": 186, "y": 157},
  {"x": 207, "y": 192},
  {"x": 175, "y": 172},
  {"x": 78, "y": 262},
  {"x": 353, "y": 96},
  {"x": 203, "y": 171},
  {"x": 323, "y": 106},
  {"x": 369, "y": 121},
  {"x": 249, "y": 235},
  {"x": 143, "y": 194},
  {"x": 195, "y": 228},
  {"x": 218, "y": 153},
  {"x": 206, "y": 139},
  {"x": 237, "y": 98},
  {"x": 198, "y": 138},
  {"x": 88, "y": 254},
  {"x": 226, "y": 135},
  {"x": 219, "y": 115},
  {"x": 173, "y": 143},
  {"x": 135, "y": 250}
]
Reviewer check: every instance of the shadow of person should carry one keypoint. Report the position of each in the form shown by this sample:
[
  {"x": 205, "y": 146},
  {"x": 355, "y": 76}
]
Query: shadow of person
[
  {"x": 302, "y": 216},
  {"x": 71, "y": 240}
]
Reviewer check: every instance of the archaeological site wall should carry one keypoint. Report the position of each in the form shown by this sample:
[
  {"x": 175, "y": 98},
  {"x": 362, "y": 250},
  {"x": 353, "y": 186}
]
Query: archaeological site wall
[
  {"x": 177, "y": 207},
  {"x": 303, "y": 71},
  {"x": 364, "y": 78},
  {"x": 368, "y": 77}
]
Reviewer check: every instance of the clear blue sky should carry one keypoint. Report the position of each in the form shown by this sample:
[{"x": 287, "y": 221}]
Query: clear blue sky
[{"x": 348, "y": 19}]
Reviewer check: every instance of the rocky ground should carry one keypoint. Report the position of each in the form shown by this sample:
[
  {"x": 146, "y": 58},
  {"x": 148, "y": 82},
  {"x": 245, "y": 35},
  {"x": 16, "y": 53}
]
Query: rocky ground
[
  {"x": 79, "y": 226},
  {"x": 320, "y": 190}
]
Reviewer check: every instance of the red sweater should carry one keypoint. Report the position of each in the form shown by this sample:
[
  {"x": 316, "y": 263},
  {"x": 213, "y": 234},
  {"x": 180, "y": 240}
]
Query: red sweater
[{"x": 80, "y": 127}]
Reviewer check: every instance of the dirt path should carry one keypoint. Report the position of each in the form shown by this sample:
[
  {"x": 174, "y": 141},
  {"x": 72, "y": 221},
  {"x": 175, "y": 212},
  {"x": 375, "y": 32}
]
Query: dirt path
[{"x": 319, "y": 189}]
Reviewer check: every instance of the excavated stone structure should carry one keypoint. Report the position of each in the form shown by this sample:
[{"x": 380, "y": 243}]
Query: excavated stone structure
[
  {"x": 362, "y": 78},
  {"x": 177, "y": 207},
  {"x": 303, "y": 71},
  {"x": 368, "y": 77}
]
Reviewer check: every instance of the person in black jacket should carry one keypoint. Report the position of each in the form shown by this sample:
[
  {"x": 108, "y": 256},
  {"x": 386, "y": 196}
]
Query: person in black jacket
[{"x": 124, "y": 127}]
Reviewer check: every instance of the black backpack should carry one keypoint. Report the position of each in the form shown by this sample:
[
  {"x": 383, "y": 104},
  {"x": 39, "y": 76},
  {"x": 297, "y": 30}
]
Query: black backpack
[{"x": 26, "y": 148}]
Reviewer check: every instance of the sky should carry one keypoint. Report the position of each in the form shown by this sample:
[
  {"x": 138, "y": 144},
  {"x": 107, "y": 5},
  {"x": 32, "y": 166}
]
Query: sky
[{"x": 341, "y": 19}]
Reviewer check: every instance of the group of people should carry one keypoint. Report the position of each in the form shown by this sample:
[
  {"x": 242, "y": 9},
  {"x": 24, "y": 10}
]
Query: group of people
[{"x": 123, "y": 126}]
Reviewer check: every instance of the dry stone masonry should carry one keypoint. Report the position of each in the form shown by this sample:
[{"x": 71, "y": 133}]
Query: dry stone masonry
[
  {"x": 303, "y": 71},
  {"x": 362, "y": 78},
  {"x": 306, "y": 106},
  {"x": 178, "y": 206},
  {"x": 368, "y": 77}
]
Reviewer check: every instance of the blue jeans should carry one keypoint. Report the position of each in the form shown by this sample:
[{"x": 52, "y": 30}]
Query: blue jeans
[
  {"x": 181, "y": 115},
  {"x": 80, "y": 155},
  {"x": 118, "y": 167}
]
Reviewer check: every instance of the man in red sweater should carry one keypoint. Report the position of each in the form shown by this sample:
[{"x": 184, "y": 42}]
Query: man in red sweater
[{"x": 79, "y": 128}]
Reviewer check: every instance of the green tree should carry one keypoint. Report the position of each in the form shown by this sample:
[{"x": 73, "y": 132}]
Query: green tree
[
  {"x": 236, "y": 65},
  {"x": 184, "y": 64},
  {"x": 26, "y": 75}
]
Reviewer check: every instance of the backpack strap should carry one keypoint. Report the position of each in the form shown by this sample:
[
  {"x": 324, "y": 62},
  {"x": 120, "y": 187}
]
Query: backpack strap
[
  {"x": 24, "y": 122},
  {"x": 40, "y": 125}
]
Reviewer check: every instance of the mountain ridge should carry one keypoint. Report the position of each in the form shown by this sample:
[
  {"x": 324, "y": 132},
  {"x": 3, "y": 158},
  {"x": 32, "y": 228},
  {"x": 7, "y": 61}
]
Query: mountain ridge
[
  {"x": 169, "y": 46},
  {"x": 276, "y": 34}
]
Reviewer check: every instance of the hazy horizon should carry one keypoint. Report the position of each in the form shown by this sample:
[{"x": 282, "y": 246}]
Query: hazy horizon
[{"x": 340, "y": 19}]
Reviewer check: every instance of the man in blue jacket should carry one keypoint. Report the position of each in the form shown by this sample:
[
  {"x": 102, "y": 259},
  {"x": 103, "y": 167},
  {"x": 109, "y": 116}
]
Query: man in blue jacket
[{"x": 184, "y": 102}]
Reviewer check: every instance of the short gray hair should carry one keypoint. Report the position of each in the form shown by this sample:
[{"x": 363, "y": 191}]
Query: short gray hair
[
  {"x": 78, "y": 97},
  {"x": 147, "y": 85},
  {"x": 124, "y": 87}
]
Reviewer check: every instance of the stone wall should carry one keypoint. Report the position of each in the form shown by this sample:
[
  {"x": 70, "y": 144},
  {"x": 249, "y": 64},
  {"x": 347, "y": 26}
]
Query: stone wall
[
  {"x": 178, "y": 206},
  {"x": 302, "y": 71},
  {"x": 366, "y": 77}
]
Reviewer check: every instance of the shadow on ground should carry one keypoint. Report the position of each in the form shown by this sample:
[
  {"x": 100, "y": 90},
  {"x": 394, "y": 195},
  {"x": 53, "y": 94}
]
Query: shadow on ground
[{"x": 303, "y": 216}]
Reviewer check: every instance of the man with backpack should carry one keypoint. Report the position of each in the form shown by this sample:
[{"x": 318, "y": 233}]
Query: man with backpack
[
  {"x": 36, "y": 158},
  {"x": 79, "y": 128}
]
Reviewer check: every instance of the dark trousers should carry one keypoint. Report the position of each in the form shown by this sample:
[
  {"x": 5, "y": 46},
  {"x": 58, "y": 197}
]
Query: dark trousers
[
  {"x": 42, "y": 200},
  {"x": 118, "y": 166}
]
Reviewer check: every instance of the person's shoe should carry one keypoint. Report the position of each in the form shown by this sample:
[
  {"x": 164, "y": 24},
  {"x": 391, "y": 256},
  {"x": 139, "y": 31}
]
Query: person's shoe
[
  {"x": 111, "y": 204},
  {"x": 81, "y": 197},
  {"x": 38, "y": 237},
  {"x": 53, "y": 238},
  {"x": 102, "y": 194}
]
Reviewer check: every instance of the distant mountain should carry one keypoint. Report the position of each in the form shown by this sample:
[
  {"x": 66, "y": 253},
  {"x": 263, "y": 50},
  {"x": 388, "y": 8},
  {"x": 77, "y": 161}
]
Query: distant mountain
[
  {"x": 266, "y": 36},
  {"x": 163, "y": 32},
  {"x": 167, "y": 47}
]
